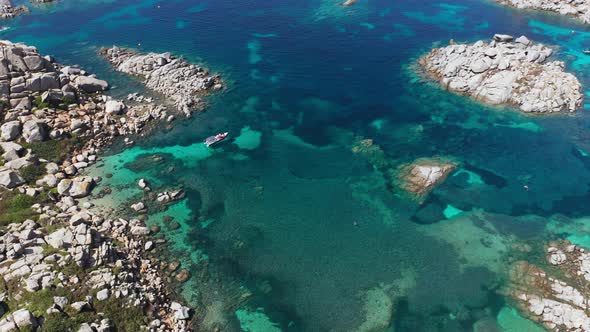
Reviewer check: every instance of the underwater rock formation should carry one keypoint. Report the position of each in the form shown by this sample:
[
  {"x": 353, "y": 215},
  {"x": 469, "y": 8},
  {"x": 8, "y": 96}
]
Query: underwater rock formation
[
  {"x": 378, "y": 308},
  {"x": 556, "y": 295},
  {"x": 505, "y": 71},
  {"x": 419, "y": 177},
  {"x": 373, "y": 152}
]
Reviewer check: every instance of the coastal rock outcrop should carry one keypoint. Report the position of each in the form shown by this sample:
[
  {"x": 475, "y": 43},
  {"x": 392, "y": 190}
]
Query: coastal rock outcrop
[
  {"x": 180, "y": 81},
  {"x": 7, "y": 10},
  {"x": 28, "y": 79},
  {"x": 556, "y": 296},
  {"x": 579, "y": 9},
  {"x": 64, "y": 121},
  {"x": 505, "y": 71}
]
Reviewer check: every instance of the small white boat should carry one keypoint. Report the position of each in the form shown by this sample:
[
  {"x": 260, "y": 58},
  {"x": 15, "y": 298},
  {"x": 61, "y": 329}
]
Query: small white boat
[{"x": 214, "y": 139}]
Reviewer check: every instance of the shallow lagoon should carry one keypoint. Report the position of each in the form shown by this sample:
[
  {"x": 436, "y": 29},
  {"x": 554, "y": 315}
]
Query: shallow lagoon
[{"x": 267, "y": 225}]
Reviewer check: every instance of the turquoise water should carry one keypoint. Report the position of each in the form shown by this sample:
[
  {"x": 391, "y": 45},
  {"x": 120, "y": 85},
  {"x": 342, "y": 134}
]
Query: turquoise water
[{"x": 267, "y": 228}]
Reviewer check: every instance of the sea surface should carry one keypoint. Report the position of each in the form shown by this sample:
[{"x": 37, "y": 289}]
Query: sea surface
[{"x": 284, "y": 227}]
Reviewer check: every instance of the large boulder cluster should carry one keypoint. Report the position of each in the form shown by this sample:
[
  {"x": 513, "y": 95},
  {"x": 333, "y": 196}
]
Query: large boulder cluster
[
  {"x": 506, "y": 71},
  {"x": 182, "y": 82},
  {"x": 25, "y": 75},
  {"x": 580, "y": 9},
  {"x": 32, "y": 259},
  {"x": 44, "y": 100}
]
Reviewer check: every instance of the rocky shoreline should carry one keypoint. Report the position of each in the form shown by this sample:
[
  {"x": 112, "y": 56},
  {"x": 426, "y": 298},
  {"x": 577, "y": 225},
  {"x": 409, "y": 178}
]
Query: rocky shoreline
[
  {"x": 574, "y": 8},
  {"x": 67, "y": 265},
  {"x": 505, "y": 71}
]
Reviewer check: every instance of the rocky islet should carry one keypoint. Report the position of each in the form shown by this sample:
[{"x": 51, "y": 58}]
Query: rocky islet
[{"x": 505, "y": 70}]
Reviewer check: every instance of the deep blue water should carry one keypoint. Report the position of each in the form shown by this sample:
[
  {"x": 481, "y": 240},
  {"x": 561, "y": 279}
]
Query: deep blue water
[{"x": 309, "y": 76}]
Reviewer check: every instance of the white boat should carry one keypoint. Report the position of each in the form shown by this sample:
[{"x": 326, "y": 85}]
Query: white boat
[{"x": 214, "y": 139}]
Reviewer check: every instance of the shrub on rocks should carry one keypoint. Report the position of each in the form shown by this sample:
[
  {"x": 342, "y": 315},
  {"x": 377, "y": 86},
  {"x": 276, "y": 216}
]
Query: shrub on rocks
[
  {"x": 16, "y": 208},
  {"x": 32, "y": 172}
]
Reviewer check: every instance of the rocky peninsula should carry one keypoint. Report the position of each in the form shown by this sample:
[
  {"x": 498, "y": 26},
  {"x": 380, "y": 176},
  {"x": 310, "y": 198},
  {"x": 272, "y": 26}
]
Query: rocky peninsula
[
  {"x": 505, "y": 71},
  {"x": 180, "y": 81},
  {"x": 574, "y": 8},
  {"x": 65, "y": 265}
]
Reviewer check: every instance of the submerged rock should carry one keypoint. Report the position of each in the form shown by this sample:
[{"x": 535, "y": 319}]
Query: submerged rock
[
  {"x": 506, "y": 72},
  {"x": 183, "y": 275},
  {"x": 378, "y": 308}
]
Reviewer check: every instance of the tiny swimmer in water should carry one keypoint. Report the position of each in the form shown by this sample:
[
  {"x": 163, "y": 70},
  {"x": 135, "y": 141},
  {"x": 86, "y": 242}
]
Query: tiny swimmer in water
[
  {"x": 355, "y": 223},
  {"x": 525, "y": 187}
]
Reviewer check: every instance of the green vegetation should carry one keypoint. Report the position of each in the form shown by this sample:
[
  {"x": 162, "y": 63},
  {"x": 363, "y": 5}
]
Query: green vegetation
[
  {"x": 32, "y": 172},
  {"x": 54, "y": 150},
  {"x": 40, "y": 104},
  {"x": 62, "y": 322},
  {"x": 4, "y": 104},
  {"x": 38, "y": 302},
  {"x": 49, "y": 250},
  {"x": 68, "y": 100},
  {"x": 72, "y": 269},
  {"x": 124, "y": 317},
  {"x": 15, "y": 208}
]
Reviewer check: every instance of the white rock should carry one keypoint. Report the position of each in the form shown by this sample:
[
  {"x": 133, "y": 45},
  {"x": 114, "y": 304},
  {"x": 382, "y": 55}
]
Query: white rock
[
  {"x": 138, "y": 206},
  {"x": 10, "y": 179},
  {"x": 180, "y": 312},
  {"x": 103, "y": 294},
  {"x": 114, "y": 107},
  {"x": 10, "y": 130},
  {"x": 23, "y": 318},
  {"x": 34, "y": 131}
]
